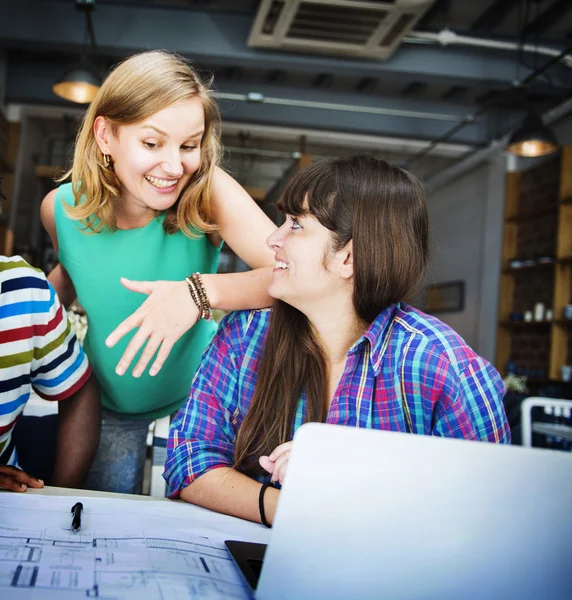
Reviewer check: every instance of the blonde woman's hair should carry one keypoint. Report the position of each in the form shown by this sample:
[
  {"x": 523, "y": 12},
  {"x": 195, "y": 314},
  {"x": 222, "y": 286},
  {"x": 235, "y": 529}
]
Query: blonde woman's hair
[{"x": 137, "y": 88}]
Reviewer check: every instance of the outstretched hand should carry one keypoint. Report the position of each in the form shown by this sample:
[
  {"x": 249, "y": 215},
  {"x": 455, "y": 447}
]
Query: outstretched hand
[
  {"x": 12, "y": 478},
  {"x": 277, "y": 462},
  {"x": 163, "y": 318}
]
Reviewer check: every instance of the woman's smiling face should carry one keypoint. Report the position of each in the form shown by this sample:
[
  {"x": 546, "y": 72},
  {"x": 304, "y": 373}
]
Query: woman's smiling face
[
  {"x": 303, "y": 253},
  {"x": 156, "y": 158}
]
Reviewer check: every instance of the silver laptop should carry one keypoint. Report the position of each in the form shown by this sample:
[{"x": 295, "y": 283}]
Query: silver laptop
[{"x": 372, "y": 514}]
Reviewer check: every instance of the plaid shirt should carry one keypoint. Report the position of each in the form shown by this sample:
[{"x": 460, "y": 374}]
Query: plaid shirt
[{"x": 409, "y": 372}]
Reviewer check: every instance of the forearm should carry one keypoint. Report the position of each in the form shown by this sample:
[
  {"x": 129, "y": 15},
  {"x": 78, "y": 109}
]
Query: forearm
[
  {"x": 79, "y": 426},
  {"x": 63, "y": 285},
  {"x": 227, "y": 491},
  {"x": 239, "y": 291}
]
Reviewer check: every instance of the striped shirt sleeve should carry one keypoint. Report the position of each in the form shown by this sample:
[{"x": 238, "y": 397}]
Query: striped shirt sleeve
[
  {"x": 59, "y": 367},
  {"x": 202, "y": 434}
]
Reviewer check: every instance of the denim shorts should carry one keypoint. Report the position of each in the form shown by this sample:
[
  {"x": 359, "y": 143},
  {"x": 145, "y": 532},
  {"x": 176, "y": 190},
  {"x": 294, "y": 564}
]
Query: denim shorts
[{"x": 119, "y": 463}]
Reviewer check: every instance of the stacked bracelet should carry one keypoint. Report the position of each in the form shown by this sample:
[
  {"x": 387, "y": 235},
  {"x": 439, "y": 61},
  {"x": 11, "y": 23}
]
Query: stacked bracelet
[
  {"x": 199, "y": 296},
  {"x": 264, "y": 487}
]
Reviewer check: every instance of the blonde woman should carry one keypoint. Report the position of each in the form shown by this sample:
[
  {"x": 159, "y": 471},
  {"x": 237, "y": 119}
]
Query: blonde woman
[{"x": 148, "y": 202}]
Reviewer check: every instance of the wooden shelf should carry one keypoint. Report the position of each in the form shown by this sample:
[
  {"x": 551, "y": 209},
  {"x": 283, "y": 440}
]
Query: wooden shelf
[
  {"x": 529, "y": 216},
  {"x": 519, "y": 240},
  {"x": 524, "y": 324},
  {"x": 5, "y": 166},
  {"x": 50, "y": 171},
  {"x": 537, "y": 267}
]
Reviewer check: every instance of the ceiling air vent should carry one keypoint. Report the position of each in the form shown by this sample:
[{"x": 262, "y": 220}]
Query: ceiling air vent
[{"x": 339, "y": 27}]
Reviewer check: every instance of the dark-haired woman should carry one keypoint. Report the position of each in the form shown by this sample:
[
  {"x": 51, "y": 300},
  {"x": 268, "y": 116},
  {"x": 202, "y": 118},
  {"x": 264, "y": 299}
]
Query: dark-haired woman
[{"x": 339, "y": 344}]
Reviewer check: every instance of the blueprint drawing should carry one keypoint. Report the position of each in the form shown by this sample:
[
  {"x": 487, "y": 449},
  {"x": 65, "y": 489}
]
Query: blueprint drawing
[{"x": 129, "y": 557}]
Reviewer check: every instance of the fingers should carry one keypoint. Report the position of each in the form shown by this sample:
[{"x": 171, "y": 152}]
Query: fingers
[
  {"x": 142, "y": 287},
  {"x": 17, "y": 480},
  {"x": 266, "y": 463},
  {"x": 132, "y": 348},
  {"x": 280, "y": 450},
  {"x": 124, "y": 327},
  {"x": 147, "y": 354},
  {"x": 280, "y": 467},
  {"x": 159, "y": 319},
  {"x": 164, "y": 352}
]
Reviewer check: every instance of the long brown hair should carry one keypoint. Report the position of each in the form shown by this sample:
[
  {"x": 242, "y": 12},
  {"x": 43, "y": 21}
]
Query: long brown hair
[
  {"x": 381, "y": 208},
  {"x": 137, "y": 88}
]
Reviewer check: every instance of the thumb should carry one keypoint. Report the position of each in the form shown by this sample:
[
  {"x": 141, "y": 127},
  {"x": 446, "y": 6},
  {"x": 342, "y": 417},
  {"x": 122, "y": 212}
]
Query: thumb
[
  {"x": 266, "y": 463},
  {"x": 142, "y": 287}
]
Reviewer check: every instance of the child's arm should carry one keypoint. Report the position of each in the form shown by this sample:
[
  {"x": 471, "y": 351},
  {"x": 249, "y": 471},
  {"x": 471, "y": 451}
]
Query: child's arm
[
  {"x": 58, "y": 277},
  {"x": 169, "y": 310}
]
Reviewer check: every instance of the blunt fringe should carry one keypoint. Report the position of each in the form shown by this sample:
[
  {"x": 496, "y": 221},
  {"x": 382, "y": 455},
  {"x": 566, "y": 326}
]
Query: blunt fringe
[
  {"x": 135, "y": 89},
  {"x": 381, "y": 208}
]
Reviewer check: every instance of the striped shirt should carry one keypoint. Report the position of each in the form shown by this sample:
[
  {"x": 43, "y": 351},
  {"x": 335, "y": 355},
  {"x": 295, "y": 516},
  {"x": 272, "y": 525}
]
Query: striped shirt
[
  {"x": 409, "y": 372},
  {"x": 38, "y": 348}
]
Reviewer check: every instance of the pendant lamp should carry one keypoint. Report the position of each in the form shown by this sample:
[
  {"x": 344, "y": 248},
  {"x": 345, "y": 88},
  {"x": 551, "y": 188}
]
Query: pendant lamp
[
  {"x": 533, "y": 138},
  {"x": 81, "y": 80}
]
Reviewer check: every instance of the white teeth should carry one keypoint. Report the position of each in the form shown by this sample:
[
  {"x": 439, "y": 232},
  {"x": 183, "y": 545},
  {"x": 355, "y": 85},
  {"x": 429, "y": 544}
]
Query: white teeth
[
  {"x": 281, "y": 265},
  {"x": 160, "y": 183}
]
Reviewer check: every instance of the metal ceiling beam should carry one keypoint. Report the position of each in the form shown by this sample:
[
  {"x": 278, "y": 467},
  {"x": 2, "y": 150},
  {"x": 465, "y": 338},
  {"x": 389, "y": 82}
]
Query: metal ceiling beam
[
  {"x": 323, "y": 80},
  {"x": 215, "y": 38},
  {"x": 494, "y": 14},
  {"x": 276, "y": 76},
  {"x": 455, "y": 93},
  {"x": 548, "y": 18},
  {"x": 438, "y": 9},
  {"x": 288, "y": 106},
  {"x": 366, "y": 84},
  {"x": 414, "y": 89}
]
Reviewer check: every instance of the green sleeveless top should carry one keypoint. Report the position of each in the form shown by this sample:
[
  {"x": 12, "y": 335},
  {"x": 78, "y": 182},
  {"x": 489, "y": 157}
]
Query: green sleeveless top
[{"x": 95, "y": 262}]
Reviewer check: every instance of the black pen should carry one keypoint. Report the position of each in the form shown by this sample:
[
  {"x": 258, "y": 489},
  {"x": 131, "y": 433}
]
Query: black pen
[{"x": 76, "y": 511}]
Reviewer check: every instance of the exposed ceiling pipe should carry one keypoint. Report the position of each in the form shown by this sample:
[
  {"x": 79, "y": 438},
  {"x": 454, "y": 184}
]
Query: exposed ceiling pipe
[
  {"x": 258, "y": 98},
  {"x": 341, "y": 139},
  {"x": 263, "y": 153},
  {"x": 447, "y": 37}
]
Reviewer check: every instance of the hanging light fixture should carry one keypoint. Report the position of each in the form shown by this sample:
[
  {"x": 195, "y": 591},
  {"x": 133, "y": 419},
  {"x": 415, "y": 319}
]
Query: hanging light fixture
[
  {"x": 533, "y": 138},
  {"x": 80, "y": 82}
]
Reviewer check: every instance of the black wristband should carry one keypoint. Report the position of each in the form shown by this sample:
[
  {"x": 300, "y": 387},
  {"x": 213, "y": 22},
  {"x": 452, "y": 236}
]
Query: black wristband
[{"x": 261, "y": 503}]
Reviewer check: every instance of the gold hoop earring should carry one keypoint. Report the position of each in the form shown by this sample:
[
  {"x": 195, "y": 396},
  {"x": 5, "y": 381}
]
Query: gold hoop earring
[{"x": 107, "y": 161}]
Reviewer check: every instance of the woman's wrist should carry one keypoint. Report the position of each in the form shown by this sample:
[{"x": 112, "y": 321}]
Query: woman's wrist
[
  {"x": 211, "y": 289},
  {"x": 191, "y": 305}
]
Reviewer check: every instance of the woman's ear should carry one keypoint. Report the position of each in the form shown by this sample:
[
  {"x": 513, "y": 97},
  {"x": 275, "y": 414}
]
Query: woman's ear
[
  {"x": 102, "y": 132},
  {"x": 347, "y": 261}
]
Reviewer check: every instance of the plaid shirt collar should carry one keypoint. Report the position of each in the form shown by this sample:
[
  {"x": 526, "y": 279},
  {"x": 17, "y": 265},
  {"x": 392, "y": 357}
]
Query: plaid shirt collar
[{"x": 377, "y": 336}]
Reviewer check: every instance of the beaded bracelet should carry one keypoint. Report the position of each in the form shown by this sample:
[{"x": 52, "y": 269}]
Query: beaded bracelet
[
  {"x": 199, "y": 295},
  {"x": 195, "y": 296},
  {"x": 206, "y": 305}
]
